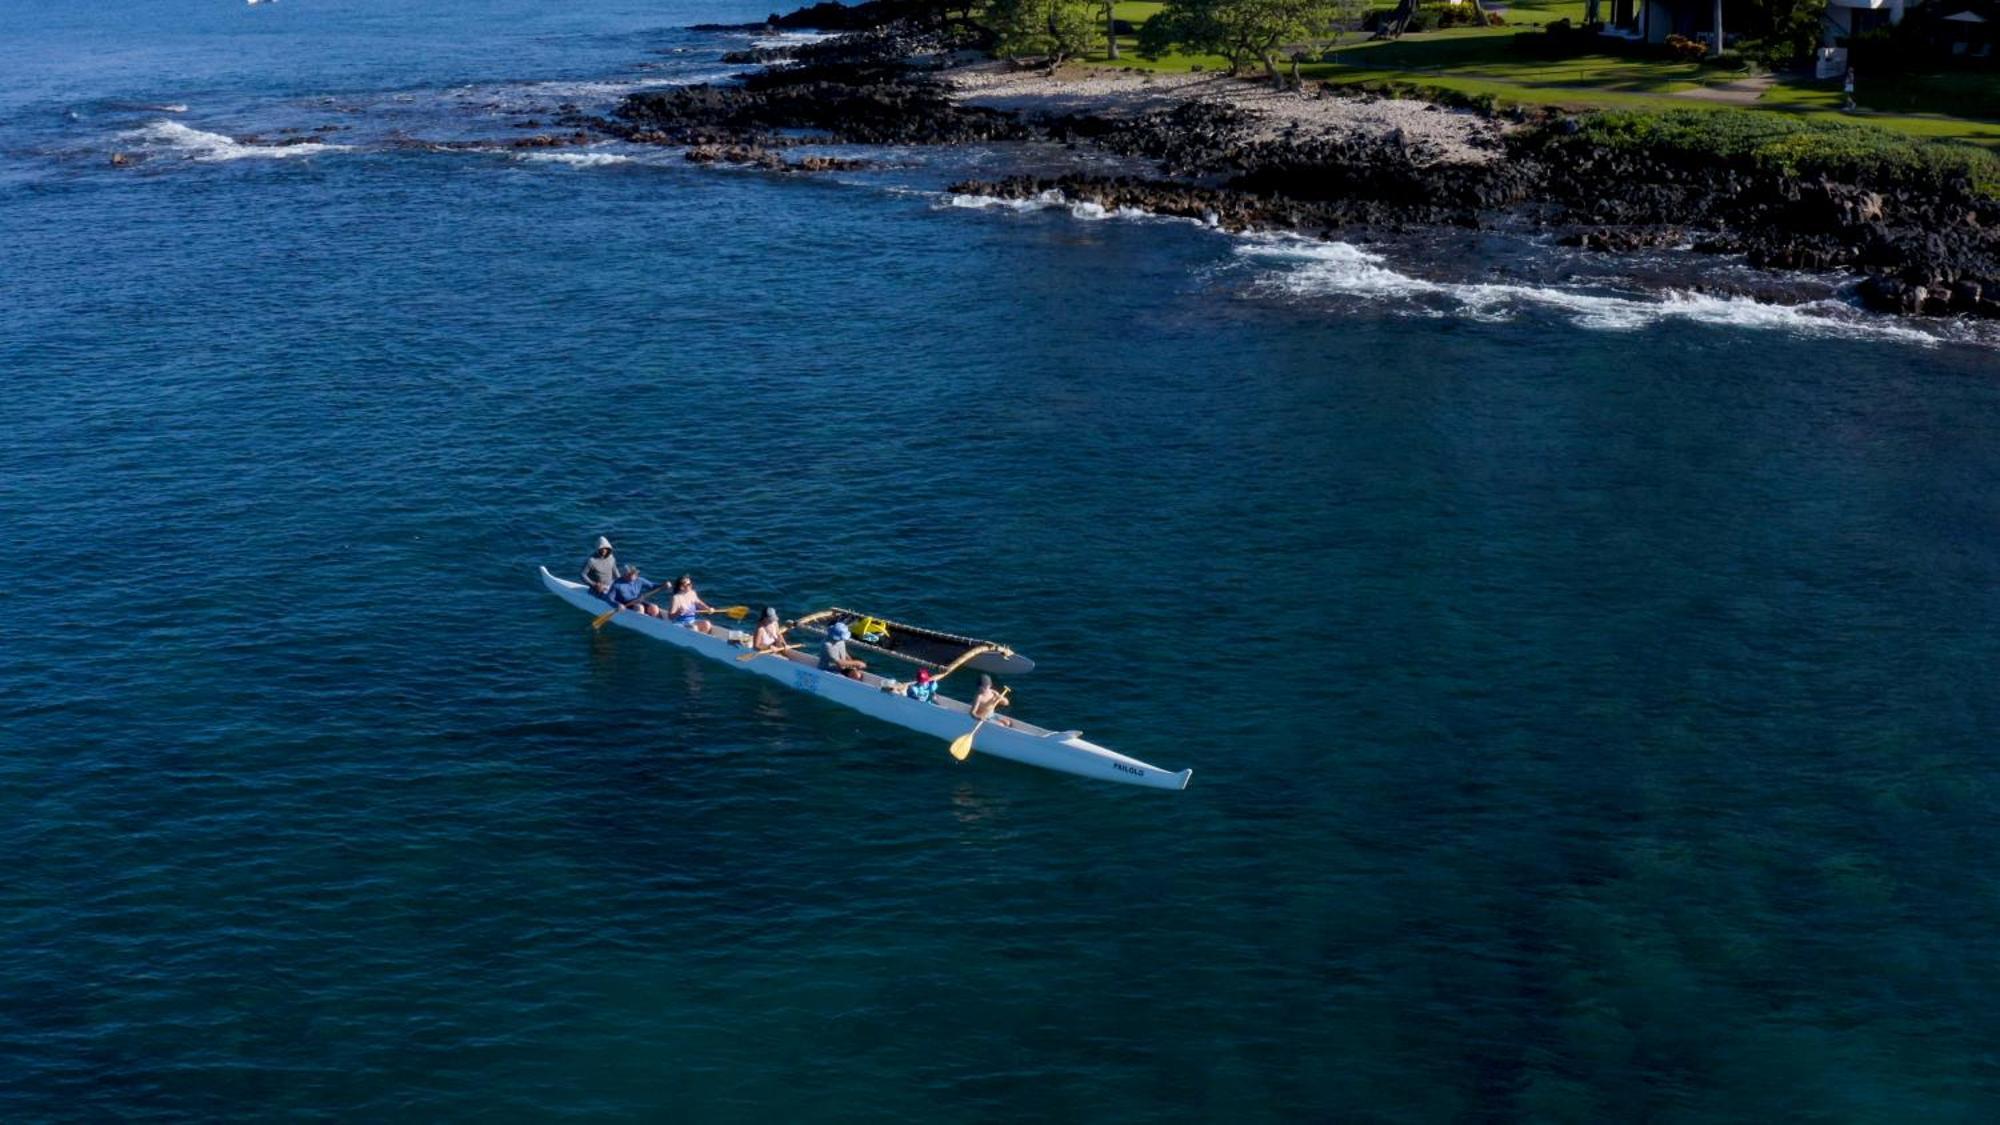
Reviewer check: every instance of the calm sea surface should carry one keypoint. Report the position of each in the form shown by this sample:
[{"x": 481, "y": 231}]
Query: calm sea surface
[{"x": 1590, "y": 694}]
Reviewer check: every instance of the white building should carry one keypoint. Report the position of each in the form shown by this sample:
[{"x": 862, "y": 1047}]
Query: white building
[
  {"x": 1845, "y": 18},
  {"x": 1651, "y": 21}
]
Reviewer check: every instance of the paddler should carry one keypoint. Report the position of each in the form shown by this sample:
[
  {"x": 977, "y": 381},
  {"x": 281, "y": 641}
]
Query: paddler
[
  {"x": 923, "y": 689},
  {"x": 989, "y": 701},
  {"x": 833, "y": 654},
  {"x": 770, "y": 635},
  {"x": 688, "y": 607},
  {"x": 600, "y": 570},
  {"x": 627, "y": 591}
]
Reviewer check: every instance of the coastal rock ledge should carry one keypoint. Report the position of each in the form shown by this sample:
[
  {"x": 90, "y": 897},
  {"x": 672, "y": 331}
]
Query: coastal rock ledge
[{"x": 1919, "y": 232}]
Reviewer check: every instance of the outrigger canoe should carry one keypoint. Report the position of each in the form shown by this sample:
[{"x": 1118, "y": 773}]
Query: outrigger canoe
[{"x": 1064, "y": 751}]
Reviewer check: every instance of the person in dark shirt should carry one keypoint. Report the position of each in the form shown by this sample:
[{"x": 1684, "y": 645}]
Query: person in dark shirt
[{"x": 627, "y": 591}]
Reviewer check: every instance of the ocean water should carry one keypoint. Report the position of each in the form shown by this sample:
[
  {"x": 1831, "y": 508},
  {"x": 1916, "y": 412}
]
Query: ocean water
[{"x": 1589, "y": 689}]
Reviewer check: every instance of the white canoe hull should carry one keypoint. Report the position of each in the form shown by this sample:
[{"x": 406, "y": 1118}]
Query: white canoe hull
[{"x": 1065, "y": 751}]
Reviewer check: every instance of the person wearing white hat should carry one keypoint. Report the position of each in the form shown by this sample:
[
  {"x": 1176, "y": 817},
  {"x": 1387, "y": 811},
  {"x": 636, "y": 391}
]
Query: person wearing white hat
[{"x": 600, "y": 570}]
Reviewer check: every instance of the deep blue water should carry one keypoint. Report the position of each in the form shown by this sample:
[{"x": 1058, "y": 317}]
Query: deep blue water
[{"x": 1590, "y": 695}]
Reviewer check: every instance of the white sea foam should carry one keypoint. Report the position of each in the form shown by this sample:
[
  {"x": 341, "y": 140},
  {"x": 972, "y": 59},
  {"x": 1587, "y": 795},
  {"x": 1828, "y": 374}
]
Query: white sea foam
[
  {"x": 619, "y": 88},
  {"x": 987, "y": 202},
  {"x": 196, "y": 144},
  {"x": 793, "y": 38},
  {"x": 1313, "y": 269},
  {"x": 1093, "y": 212},
  {"x": 577, "y": 159},
  {"x": 1046, "y": 200}
]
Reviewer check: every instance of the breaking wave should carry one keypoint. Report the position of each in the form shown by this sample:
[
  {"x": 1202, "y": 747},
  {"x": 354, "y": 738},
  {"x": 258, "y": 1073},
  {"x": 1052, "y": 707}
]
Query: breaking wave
[
  {"x": 1319, "y": 269},
  {"x": 577, "y": 159},
  {"x": 793, "y": 39},
  {"x": 195, "y": 144},
  {"x": 989, "y": 202},
  {"x": 1095, "y": 211},
  {"x": 618, "y": 88},
  {"x": 1047, "y": 200}
]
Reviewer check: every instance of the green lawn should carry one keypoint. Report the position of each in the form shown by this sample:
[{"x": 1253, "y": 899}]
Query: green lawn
[
  {"x": 1952, "y": 99},
  {"x": 1481, "y": 61}
]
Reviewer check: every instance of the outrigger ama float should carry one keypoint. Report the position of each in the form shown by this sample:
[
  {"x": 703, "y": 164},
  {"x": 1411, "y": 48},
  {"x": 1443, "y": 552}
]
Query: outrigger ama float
[{"x": 1065, "y": 751}]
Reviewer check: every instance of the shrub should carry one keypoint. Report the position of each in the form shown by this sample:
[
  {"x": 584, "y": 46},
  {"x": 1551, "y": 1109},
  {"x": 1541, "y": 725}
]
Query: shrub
[
  {"x": 1495, "y": 19},
  {"x": 1458, "y": 15},
  {"x": 1771, "y": 54},
  {"x": 1682, "y": 49}
]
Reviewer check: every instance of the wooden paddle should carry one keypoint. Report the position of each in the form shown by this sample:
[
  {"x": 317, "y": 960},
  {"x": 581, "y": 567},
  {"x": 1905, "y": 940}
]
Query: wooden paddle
[
  {"x": 757, "y": 652},
  {"x": 961, "y": 747}
]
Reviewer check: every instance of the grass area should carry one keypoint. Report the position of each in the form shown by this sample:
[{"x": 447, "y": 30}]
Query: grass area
[
  {"x": 1955, "y": 103},
  {"x": 1481, "y": 62},
  {"x": 1850, "y": 151},
  {"x": 1472, "y": 60}
]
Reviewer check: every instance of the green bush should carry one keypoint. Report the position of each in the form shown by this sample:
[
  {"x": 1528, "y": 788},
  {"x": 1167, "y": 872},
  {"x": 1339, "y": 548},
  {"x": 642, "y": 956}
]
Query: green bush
[
  {"x": 1840, "y": 150},
  {"x": 1771, "y": 54},
  {"x": 1458, "y": 15}
]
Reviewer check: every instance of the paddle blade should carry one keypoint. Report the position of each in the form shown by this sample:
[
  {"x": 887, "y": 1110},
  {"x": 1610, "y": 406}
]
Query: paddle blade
[
  {"x": 961, "y": 747},
  {"x": 598, "y": 621},
  {"x": 737, "y": 612}
]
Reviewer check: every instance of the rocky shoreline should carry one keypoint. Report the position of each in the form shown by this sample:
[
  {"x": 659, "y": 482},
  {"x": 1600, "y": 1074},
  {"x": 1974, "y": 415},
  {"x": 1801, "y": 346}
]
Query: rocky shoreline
[{"x": 1246, "y": 158}]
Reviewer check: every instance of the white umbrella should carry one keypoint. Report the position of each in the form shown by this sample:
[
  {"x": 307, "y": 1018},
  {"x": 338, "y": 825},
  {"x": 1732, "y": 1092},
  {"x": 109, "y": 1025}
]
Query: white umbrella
[{"x": 1967, "y": 17}]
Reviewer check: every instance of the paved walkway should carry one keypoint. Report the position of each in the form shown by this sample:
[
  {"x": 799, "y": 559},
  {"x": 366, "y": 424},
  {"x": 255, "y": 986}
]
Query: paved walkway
[{"x": 1743, "y": 91}]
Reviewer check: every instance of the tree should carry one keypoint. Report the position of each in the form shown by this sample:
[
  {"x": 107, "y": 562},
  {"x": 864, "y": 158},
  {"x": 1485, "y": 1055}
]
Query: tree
[
  {"x": 1398, "y": 19},
  {"x": 1111, "y": 28},
  {"x": 1238, "y": 30},
  {"x": 1056, "y": 30},
  {"x": 1345, "y": 16},
  {"x": 1788, "y": 29}
]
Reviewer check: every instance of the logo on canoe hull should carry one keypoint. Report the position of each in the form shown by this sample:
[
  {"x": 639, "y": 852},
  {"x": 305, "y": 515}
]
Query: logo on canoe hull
[
  {"x": 1128, "y": 769},
  {"x": 804, "y": 680}
]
